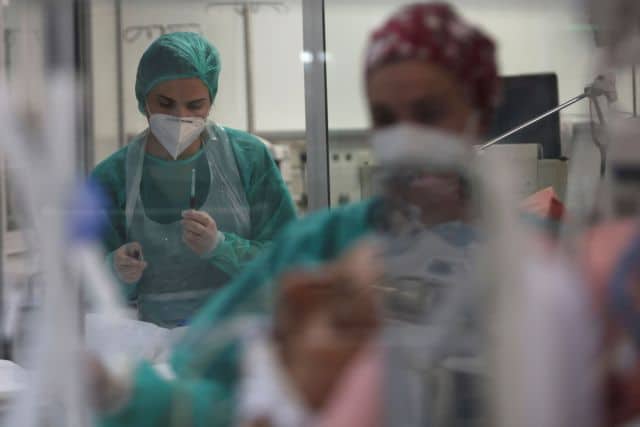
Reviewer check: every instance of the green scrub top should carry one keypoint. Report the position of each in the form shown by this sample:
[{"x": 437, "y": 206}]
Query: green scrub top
[{"x": 165, "y": 187}]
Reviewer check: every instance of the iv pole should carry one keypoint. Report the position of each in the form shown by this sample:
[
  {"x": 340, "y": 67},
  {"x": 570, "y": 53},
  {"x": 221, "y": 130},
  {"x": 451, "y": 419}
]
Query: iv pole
[{"x": 245, "y": 8}]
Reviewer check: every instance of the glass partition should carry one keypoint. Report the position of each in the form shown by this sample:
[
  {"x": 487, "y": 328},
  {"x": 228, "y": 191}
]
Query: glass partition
[
  {"x": 261, "y": 87},
  {"x": 533, "y": 38}
]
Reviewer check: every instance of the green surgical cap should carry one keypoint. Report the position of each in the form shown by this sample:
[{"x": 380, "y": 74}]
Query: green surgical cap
[{"x": 177, "y": 56}]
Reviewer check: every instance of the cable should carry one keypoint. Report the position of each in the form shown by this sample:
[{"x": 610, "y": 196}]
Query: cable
[{"x": 596, "y": 140}]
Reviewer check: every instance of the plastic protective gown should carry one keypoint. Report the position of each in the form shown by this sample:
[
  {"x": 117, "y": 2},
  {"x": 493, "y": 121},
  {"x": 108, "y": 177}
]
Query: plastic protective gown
[
  {"x": 245, "y": 195},
  {"x": 207, "y": 365}
]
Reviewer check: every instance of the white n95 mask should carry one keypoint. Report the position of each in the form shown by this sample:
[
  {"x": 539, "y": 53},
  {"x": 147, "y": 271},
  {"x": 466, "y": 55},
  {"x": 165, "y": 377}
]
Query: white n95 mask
[
  {"x": 175, "y": 134},
  {"x": 407, "y": 145}
]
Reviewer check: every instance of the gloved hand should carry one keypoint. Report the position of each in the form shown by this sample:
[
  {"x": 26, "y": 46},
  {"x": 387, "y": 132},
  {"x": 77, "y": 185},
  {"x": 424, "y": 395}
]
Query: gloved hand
[
  {"x": 199, "y": 231},
  {"x": 129, "y": 263}
]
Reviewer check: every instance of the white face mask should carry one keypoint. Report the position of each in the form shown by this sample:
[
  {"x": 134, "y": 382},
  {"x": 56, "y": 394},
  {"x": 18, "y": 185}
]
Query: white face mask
[
  {"x": 412, "y": 145},
  {"x": 176, "y": 134}
]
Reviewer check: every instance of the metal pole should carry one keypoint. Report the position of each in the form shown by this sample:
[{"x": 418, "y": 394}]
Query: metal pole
[
  {"x": 61, "y": 64},
  {"x": 246, "y": 23},
  {"x": 59, "y": 36},
  {"x": 119, "y": 78},
  {"x": 535, "y": 120},
  {"x": 6, "y": 351},
  {"x": 84, "y": 103},
  {"x": 3, "y": 53},
  {"x": 634, "y": 88},
  {"x": 246, "y": 8},
  {"x": 315, "y": 79}
]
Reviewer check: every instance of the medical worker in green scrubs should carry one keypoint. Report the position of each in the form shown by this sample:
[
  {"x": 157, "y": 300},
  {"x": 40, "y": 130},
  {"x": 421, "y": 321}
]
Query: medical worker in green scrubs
[{"x": 192, "y": 201}]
